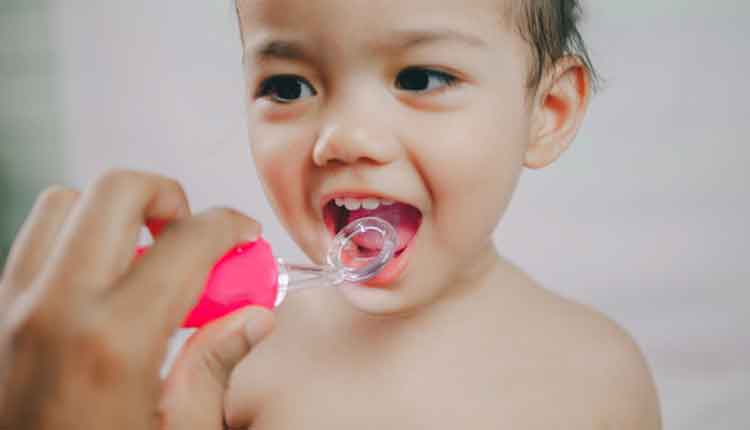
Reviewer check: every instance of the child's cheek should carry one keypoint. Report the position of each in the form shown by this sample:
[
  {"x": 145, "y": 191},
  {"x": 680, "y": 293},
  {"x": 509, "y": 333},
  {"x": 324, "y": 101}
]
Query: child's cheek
[
  {"x": 473, "y": 178},
  {"x": 273, "y": 156},
  {"x": 281, "y": 153}
]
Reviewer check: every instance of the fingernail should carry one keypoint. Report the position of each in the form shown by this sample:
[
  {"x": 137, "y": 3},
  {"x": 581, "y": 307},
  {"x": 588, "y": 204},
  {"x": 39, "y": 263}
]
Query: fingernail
[
  {"x": 257, "y": 232},
  {"x": 254, "y": 236}
]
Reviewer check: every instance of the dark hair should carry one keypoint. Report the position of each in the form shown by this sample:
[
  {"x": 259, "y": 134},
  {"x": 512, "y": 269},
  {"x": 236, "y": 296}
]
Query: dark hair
[{"x": 551, "y": 28}]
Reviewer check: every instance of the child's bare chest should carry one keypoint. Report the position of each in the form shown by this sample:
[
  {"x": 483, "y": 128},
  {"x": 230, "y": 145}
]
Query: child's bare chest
[
  {"x": 432, "y": 380},
  {"x": 294, "y": 394}
]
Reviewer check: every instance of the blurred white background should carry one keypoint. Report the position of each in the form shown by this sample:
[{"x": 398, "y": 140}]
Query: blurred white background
[{"x": 644, "y": 218}]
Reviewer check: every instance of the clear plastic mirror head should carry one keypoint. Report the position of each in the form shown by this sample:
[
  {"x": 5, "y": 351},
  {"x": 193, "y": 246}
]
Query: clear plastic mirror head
[
  {"x": 361, "y": 249},
  {"x": 357, "y": 254}
]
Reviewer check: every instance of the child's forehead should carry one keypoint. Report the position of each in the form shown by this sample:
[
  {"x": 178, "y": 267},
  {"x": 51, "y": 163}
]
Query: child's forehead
[{"x": 359, "y": 19}]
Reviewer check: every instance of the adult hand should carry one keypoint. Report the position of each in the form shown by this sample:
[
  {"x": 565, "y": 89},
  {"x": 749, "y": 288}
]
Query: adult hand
[
  {"x": 194, "y": 393},
  {"x": 83, "y": 328}
]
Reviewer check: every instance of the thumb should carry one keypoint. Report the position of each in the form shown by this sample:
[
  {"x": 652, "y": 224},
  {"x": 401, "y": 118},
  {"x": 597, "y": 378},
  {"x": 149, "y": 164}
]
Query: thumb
[{"x": 193, "y": 394}]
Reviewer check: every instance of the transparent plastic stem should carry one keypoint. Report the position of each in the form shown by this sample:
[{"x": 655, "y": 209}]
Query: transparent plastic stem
[{"x": 358, "y": 253}]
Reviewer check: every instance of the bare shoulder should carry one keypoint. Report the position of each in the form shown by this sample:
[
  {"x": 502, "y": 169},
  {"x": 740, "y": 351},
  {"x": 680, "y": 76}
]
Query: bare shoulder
[
  {"x": 597, "y": 361},
  {"x": 616, "y": 374}
]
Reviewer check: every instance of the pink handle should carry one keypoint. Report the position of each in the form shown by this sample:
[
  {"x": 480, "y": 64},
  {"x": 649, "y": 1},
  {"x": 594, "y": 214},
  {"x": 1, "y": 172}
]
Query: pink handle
[{"x": 246, "y": 275}]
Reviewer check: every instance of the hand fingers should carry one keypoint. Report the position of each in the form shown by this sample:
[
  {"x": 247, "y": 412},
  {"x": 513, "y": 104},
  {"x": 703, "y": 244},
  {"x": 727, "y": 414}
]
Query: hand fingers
[
  {"x": 193, "y": 396},
  {"x": 98, "y": 243},
  {"x": 158, "y": 291},
  {"x": 37, "y": 236}
]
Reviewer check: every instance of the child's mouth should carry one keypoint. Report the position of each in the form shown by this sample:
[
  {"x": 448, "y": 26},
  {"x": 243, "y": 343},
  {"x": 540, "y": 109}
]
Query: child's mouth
[{"x": 405, "y": 218}]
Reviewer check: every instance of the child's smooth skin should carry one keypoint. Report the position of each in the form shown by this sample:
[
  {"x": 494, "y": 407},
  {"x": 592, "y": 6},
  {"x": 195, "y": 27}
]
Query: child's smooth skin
[{"x": 425, "y": 103}]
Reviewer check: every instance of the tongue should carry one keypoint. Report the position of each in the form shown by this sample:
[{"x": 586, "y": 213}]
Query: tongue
[{"x": 404, "y": 218}]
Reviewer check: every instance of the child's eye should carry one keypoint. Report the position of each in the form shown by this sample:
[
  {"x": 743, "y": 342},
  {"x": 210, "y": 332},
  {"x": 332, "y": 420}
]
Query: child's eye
[
  {"x": 286, "y": 88},
  {"x": 420, "y": 79}
]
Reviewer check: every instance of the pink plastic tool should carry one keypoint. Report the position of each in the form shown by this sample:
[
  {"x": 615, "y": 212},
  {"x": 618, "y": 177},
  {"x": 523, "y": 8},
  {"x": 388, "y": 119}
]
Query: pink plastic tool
[{"x": 249, "y": 274}]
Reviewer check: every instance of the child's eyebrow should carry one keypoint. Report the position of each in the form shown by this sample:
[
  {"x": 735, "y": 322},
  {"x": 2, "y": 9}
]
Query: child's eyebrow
[
  {"x": 401, "y": 40},
  {"x": 405, "y": 39},
  {"x": 280, "y": 49}
]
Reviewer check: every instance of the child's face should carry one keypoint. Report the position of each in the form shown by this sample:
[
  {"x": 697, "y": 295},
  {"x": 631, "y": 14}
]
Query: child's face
[{"x": 417, "y": 101}]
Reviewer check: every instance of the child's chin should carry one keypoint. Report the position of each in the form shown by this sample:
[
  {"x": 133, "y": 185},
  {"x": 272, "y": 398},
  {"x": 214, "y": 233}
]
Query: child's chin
[{"x": 371, "y": 300}]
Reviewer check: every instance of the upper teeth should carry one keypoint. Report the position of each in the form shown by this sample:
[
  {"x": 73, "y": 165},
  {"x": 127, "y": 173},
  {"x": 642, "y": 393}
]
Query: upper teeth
[{"x": 369, "y": 203}]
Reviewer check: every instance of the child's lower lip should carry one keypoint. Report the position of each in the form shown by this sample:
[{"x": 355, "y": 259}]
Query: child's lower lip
[{"x": 392, "y": 271}]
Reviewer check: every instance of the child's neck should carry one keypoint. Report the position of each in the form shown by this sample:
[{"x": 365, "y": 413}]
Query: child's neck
[{"x": 484, "y": 283}]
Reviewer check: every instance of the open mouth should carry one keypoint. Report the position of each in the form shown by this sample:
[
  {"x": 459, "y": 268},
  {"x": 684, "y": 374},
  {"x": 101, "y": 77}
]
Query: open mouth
[{"x": 405, "y": 218}]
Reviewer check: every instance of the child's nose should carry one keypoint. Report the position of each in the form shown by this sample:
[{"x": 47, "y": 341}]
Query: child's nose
[{"x": 349, "y": 143}]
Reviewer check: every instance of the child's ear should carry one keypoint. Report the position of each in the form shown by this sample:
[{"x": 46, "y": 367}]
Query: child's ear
[{"x": 558, "y": 110}]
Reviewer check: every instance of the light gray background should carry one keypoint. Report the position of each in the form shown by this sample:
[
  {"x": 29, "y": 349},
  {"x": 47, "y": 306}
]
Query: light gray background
[{"x": 644, "y": 217}]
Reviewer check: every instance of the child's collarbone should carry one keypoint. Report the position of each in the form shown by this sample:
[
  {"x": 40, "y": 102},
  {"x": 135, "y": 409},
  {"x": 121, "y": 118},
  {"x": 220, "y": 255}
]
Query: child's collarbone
[{"x": 438, "y": 377}]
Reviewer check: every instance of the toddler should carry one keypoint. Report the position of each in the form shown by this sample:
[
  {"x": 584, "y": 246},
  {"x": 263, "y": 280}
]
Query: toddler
[
  {"x": 424, "y": 113},
  {"x": 420, "y": 112}
]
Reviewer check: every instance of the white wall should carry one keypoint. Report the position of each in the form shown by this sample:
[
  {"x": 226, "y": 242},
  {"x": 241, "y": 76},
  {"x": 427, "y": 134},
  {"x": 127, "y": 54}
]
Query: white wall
[{"x": 644, "y": 217}]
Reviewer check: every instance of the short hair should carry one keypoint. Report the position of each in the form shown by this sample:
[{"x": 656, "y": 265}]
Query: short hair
[{"x": 551, "y": 29}]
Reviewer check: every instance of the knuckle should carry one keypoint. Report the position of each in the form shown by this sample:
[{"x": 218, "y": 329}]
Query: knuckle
[
  {"x": 134, "y": 183},
  {"x": 222, "y": 214},
  {"x": 37, "y": 323},
  {"x": 176, "y": 187},
  {"x": 94, "y": 343},
  {"x": 115, "y": 180},
  {"x": 236, "y": 224},
  {"x": 85, "y": 345},
  {"x": 108, "y": 355},
  {"x": 57, "y": 196}
]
